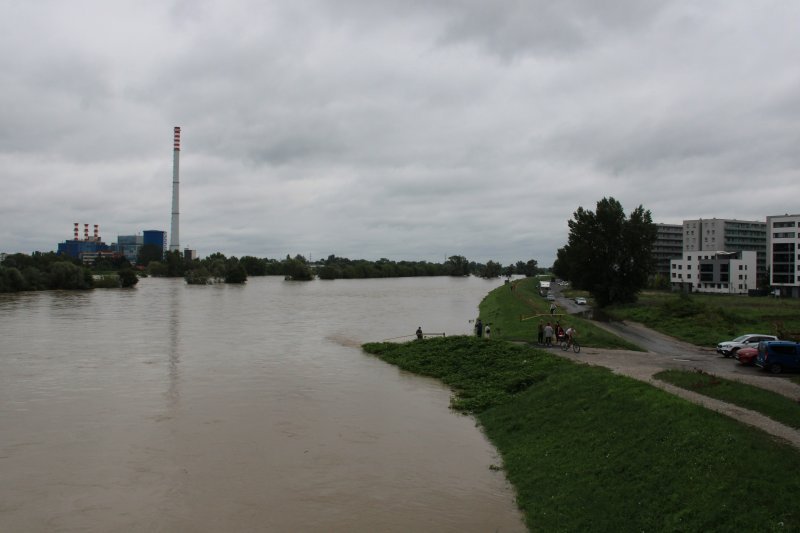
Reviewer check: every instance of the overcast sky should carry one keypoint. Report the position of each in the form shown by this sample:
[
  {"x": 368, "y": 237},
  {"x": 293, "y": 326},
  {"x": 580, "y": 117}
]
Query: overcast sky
[{"x": 401, "y": 129}]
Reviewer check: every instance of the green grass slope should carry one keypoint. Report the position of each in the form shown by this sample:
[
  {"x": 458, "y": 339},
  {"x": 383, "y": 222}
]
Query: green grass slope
[{"x": 588, "y": 450}]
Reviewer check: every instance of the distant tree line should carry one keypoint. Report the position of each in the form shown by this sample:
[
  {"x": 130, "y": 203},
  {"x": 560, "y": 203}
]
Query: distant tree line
[
  {"x": 42, "y": 271},
  {"x": 50, "y": 271},
  {"x": 219, "y": 268}
]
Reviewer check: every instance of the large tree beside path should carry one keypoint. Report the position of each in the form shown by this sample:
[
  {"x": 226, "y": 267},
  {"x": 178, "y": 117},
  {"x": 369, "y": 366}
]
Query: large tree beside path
[{"x": 607, "y": 253}]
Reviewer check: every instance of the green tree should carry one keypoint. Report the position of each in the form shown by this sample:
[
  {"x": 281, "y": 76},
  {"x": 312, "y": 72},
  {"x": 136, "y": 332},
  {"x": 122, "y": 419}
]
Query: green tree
[
  {"x": 235, "y": 271},
  {"x": 529, "y": 268},
  {"x": 297, "y": 269},
  {"x": 66, "y": 275},
  {"x": 148, "y": 253},
  {"x": 254, "y": 266},
  {"x": 492, "y": 270},
  {"x": 157, "y": 269},
  {"x": 176, "y": 264},
  {"x": 11, "y": 280},
  {"x": 127, "y": 277},
  {"x": 198, "y": 276},
  {"x": 607, "y": 253},
  {"x": 457, "y": 265}
]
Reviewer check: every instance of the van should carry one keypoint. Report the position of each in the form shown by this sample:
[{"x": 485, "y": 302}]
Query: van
[{"x": 777, "y": 356}]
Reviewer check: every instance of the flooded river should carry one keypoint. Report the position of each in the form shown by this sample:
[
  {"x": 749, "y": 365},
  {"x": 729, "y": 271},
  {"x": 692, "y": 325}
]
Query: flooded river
[{"x": 224, "y": 408}]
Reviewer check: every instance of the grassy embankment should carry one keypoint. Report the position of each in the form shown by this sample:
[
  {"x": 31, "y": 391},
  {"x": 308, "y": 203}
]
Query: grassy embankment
[
  {"x": 593, "y": 451},
  {"x": 771, "y": 404},
  {"x": 706, "y": 319},
  {"x": 503, "y": 309}
]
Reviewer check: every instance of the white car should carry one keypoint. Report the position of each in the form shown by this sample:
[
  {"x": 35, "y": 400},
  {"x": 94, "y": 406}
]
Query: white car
[
  {"x": 751, "y": 340},
  {"x": 580, "y": 300}
]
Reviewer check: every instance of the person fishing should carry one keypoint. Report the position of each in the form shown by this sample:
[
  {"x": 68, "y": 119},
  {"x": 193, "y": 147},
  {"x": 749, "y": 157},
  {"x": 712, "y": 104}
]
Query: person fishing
[{"x": 419, "y": 333}]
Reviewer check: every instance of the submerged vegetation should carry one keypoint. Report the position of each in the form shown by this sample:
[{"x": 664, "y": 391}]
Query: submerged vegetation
[{"x": 590, "y": 450}]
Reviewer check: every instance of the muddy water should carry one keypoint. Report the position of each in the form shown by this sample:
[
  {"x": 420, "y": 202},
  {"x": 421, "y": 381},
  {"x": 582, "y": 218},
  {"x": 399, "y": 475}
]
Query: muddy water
[{"x": 178, "y": 408}]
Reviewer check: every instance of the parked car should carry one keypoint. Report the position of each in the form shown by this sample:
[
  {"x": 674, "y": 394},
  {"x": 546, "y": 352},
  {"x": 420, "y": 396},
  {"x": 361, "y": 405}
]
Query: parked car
[
  {"x": 777, "y": 356},
  {"x": 751, "y": 340},
  {"x": 580, "y": 300},
  {"x": 746, "y": 356},
  {"x": 550, "y": 297}
]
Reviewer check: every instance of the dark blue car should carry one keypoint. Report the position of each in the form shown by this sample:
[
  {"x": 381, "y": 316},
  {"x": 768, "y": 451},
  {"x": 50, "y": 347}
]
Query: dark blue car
[{"x": 777, "y": 356}]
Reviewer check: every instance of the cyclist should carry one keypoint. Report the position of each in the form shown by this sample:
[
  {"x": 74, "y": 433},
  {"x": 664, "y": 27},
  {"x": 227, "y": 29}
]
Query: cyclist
[{"x": 571, "y": 334}]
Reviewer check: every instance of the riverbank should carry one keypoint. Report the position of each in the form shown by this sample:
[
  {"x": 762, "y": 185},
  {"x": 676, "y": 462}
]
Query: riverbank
[
  {"x": 587, "y": 449},
  {"x": 590, "y": 450}
]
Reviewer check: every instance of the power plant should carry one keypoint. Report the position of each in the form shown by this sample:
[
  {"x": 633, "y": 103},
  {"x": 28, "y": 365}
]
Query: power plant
[
  {"x": 90, "y": 248},
  {"x": 174, "y": 236}
]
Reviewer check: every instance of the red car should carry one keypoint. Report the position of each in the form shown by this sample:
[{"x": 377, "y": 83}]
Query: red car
[{"x": 747, "y": 356}]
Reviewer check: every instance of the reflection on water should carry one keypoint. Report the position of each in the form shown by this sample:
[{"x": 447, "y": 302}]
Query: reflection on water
[{"x": 180, "y": 408}]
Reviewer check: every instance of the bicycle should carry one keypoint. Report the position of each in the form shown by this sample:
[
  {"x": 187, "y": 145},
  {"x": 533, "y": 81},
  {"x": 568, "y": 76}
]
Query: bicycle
[{"x": 565, "y": 345}]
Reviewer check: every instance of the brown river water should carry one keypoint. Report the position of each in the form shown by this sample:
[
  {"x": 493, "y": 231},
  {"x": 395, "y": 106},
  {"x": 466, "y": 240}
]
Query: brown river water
[{"x": 238, "y": 408}]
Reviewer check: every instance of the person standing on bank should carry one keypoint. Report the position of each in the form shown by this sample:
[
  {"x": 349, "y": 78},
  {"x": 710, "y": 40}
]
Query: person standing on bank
[
  {"x": 419, "y": 333},
  {"x": 487, "y": 331},
  {"x": 479, "y": 328},
  {"x": 540, "y": 333},
  {"x": 548, "y": 335}
]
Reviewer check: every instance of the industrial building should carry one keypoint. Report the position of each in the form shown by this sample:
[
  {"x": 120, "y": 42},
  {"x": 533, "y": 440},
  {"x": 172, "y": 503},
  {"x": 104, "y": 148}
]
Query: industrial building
[
  {"x": 87, "y": 249},
  {"x": 129, "y": 246},
  {"x": 155, "y": 237}
]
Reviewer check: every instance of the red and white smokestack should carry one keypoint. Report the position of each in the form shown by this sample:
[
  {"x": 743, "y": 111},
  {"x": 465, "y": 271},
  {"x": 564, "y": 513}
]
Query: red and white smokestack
[
  {"x": 86, "y": 232},
  {"x": 174, "y": 239},
  {"x": 77, "y": 230}
]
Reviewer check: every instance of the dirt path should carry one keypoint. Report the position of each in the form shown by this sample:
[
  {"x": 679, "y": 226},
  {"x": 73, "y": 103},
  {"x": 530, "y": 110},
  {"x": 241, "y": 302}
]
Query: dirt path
[{"x": 669, "y": 353}]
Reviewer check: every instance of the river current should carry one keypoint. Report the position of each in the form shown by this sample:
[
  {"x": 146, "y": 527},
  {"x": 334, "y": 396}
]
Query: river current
[{"x": 170, "y": 407}]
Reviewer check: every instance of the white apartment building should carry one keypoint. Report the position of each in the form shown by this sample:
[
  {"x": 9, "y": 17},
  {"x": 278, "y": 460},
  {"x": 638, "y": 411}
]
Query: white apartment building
[
  {"x": 727, "y": 234},
  {"x": 717, "y": 272},
  {"x": 783, "y": 254}
]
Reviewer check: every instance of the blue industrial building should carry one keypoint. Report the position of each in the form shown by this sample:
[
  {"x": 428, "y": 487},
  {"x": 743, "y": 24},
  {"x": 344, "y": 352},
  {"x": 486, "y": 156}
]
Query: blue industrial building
[
  {"x": 156, "y": 237},
  {"x": 76, "y": 249}
]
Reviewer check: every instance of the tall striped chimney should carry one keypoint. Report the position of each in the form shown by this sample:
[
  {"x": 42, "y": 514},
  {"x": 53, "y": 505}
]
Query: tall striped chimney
[{"x": 174, "y": 239}]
